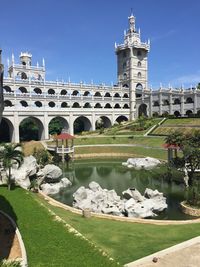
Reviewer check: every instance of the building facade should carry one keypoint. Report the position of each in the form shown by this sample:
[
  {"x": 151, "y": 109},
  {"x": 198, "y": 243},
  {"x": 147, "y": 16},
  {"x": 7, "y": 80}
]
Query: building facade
[{"x": 27, "y": 94}]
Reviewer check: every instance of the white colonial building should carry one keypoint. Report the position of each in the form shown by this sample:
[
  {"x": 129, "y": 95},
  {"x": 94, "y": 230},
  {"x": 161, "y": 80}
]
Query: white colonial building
[{"x": 27, "y": 94}]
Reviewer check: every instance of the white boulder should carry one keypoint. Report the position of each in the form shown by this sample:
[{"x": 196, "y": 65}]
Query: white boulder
[
  {"x": 133, "y": 193},
  {"x": 139, "y": 163},
  {"x": 55, "y": 188},
  {"x": 51, "y": 172}
]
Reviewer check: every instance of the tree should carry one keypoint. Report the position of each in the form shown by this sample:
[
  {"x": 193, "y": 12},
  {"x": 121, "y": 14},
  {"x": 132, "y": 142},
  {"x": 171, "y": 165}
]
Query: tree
[
  {"x": 198, "y": 86},
  {"x": 10, "y": 155},
  {"x": 55, "y": 126}
]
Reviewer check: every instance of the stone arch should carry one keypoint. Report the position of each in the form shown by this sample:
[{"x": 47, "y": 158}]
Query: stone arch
[
  {"x": 156, "y": 104},
  {"x": 86, "y": 93},
  {"x": 126, "y": 106},
  {"x": 8, "y": 103},
  {"x": 189, "y": 113},
  {"x": 98, "y": 94},
  {"x": 125, "y": 95},
  {"x": 75, "y": 92},
  {"x": 6, "y": 130},
  {"x": 76, "y": 105},
  {"x": 107, "y": 105},
  {"x": 103, "y": 122},
  {"x": 155, "y": 114},
  {"x": 24, "y": 103},
  {"x": 64, "y": 105},
  {"x": 142, "y": 110},
  {"x": 38, "y": 104},
  {"x": 97, "y": 105},
  {"x": 23, "y": 90},
  {"x": 58, "y": 124},
  {"x": 139, "y": 75},
  {"x": 121, "y": 118},
  {"x": 63, "y": 92},
  {"x": 23, "y": 76},
  {"x": 165, "y": 102},
  {"x": 117, "y": 106},
  {"x": 107, "y": 95},
  {"x": 7, "y": 89},
  {"x": 51, "y": 104},
  {"x": 125, "y": 85},
  {"x": 177, "y": 113},
  {"x": 177, "y": 101},
  {"x": 189, "y": 100},
  {"x": 165, "y": 114},
  {"x": 139, "y": 86},
  {"x": 87, "y": 105},
  {"x": 51, "y": 91},
  {"x": 117, "y": 95},
  {"x": 31, "y": 128},
  {"x": 37, "y": 91},
  {"x": 81, "y": 124}
]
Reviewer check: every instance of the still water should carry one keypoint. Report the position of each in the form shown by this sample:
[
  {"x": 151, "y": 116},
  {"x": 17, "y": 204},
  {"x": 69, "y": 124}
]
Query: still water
[{"x": 112, "y": 175}]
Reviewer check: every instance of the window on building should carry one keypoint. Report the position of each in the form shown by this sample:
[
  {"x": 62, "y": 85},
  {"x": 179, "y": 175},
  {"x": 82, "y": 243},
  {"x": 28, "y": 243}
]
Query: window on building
[
  {"x": 139, "y": 75},
  {"x": 139, "y": 64}
]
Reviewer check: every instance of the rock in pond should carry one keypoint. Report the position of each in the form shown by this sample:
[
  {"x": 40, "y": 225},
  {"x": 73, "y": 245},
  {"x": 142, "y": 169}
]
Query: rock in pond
[
  {"x": 139, "y": 163},
  {"x": 55, "y": 188}
]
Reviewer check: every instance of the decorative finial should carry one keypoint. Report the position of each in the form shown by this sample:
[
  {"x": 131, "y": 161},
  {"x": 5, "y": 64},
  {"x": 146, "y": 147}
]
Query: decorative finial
[
  {"x": 115, "y": 45},
  {"x": 139, "y": 31},
  {"x": 37, "y": 64},
  {"x": 13, "y": 58},
  {"x": 8, "y": 62},
  {"x": 43, "y": 62}
]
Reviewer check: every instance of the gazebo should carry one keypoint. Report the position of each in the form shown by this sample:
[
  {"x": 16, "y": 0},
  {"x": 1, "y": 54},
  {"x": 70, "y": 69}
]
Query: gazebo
[{"x": 67, "y": 146}]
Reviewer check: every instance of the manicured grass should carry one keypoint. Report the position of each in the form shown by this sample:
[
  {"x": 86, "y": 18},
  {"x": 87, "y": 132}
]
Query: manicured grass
[
  {"x": 128, "y": 241},
  {"x": 183, "y": 121},
  {"x": 168, "y": 130},
  {"x": 133, "y": 151},
  {"x": 48, "y": 242},
  {"x": 141, "y": 140}
]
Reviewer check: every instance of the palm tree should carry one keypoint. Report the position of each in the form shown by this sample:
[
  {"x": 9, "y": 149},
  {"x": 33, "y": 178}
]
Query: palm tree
[{"x": 10, "y": 155}]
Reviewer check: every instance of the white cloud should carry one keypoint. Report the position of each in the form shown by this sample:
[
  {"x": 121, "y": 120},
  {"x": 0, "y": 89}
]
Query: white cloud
[
  {"x": 163, "y": 36},
  {"x": 189, "y": 79}
]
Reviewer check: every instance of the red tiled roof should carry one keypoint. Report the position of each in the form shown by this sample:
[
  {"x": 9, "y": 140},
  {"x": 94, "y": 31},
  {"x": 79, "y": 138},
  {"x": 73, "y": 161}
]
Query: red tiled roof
[
  {"x": 64, "y": 136},
  {"x": 171, "y": 146}
]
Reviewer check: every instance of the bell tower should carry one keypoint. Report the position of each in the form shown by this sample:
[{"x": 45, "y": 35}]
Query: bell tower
[{"x": 132, "y": 63}]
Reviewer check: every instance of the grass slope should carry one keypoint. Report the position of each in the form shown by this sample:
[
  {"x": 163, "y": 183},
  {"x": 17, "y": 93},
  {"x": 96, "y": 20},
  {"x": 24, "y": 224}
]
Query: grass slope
[
  {"x": 48, "y": 243},
  {"x": 128, "y": 241}
]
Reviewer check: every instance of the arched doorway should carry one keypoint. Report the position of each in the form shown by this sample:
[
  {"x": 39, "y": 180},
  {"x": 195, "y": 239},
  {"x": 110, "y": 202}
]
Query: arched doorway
[
  {"x": 57, "y": 125},
  {"x": 82, "y": 124},
  {"x": 6, "y": 130},
  {"x": 103, "y": 122},
  {"x": 142, "y": 110},
  {"x": 31, "y": 128},
  {"x": 121, "y": 119}
]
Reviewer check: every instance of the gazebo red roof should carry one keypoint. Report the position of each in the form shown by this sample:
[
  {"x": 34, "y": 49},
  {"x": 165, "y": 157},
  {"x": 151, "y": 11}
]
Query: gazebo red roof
[
  {"x": 64, "y": 136},
  {"x": 171, "y": 146}
]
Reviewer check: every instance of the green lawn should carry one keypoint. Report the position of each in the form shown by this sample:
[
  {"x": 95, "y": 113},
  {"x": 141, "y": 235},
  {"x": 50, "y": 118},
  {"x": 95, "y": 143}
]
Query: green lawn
[
  {"x": 183, "y": 121},
  {"x": 132, "y": 151},
  {"x": 127, "y": 241},
  {"x": 48, "y": 243}
]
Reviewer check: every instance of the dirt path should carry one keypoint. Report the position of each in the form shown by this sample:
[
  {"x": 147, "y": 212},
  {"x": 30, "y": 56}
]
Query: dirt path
[{"x": 9, "y": 248}]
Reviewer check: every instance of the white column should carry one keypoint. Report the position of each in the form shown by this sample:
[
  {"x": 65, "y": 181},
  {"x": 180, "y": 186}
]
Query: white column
[
  {"x": 71, "y": 124},
  {"x": 93, "y": 121},
  {"x": 195, "y": 101},
  {"x": 182, "y": 105},
  {"x": 150, "y": 104},
  {"x": 160, "y": 103},
  {"x": 170, "y": 104},
  {"x": 46, "y": 126},
  {"x": 15, "y": 135},
  {"x": 131, "y": 86}
]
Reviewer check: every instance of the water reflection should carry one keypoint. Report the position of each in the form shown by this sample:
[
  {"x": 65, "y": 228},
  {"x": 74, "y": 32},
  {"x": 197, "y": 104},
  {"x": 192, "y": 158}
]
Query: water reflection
[{"x": 112, "y": 175}]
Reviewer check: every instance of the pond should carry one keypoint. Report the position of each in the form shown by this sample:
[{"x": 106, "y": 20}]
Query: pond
[{"x": 112, "y": 175}]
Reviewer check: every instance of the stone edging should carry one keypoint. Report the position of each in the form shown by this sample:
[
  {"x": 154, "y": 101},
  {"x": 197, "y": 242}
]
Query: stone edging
[
  {"x": 167, "y": 251},
  {"x": 189, "y": 210},
  {"x": 24, "y": 262},
  {"x": 117, "y": 218}
]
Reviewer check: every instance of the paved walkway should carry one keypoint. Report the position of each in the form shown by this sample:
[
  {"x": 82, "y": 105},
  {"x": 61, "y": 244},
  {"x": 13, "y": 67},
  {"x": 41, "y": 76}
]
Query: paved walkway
[{"x": 185, "y": 254}]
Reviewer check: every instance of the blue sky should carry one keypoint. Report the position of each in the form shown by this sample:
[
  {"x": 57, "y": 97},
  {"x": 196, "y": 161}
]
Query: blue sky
[{"x": 76, "y": 37}]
